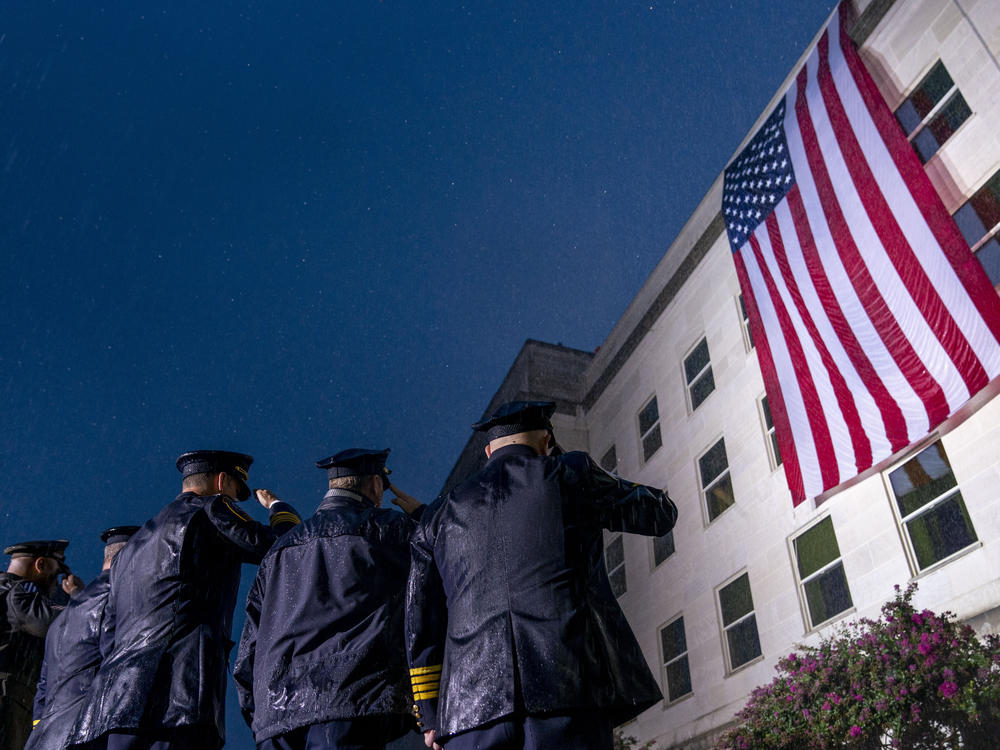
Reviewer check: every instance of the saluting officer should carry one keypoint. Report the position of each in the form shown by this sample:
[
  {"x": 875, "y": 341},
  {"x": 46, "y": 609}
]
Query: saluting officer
[
  {"x": 321, "y": 662},
  {"x": 29, "y": 602},
  {"x": 514, "y": 637},
  {"x": 162, "y": 684},
  {"x": 73, "y": 654}
]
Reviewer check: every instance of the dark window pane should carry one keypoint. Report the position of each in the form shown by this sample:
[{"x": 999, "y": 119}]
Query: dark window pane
[
  {"x": 908, "y": 116},
  {"x": 816, "y": 548},
  {"x": 989, "y": 257},
  {"x": 614, "y": 555},
  {"x": 696, "y": 361},
  {"x": 948, "y": 120},
  {"x": 701, "y": 388},
  {"x": 941, "y": 531},
  {"x": 617, "y": 579},
  {"x": 663, "y": 547},
  {"x": 651, "y": 443},
  {"x": 923, "y": 478},
  {"x": 673, "y": 640},
  {"x": 827, "y": 595},
  {"x": 926, "y": 145},
  {"x": 746, "y": 320},
  {"x": 766, "y": 408},
  {"x": 648, "y": 417},
  {"x": 777, "y": 450},
  {"x": 678, "y": 679},
  {"x": 719, "y": 497},
  {"x": 744, "y": 645},
  {"x": 713, "y": 463},
  {"x": 735, "y": 599},
  {"x": 981, "y": 212},
  {"x": 610, "y": 460}
]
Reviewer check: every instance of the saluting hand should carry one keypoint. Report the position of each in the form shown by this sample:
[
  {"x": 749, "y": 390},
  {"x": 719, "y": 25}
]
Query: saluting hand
[
  {"x": 407, "y": 503},
  {"x": 266, "y": 497},
  {"x": 72, "y": 584}
]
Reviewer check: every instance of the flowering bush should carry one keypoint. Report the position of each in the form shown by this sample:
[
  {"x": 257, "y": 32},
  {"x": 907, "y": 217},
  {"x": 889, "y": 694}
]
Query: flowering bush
[{"x": 909, "y": 680}]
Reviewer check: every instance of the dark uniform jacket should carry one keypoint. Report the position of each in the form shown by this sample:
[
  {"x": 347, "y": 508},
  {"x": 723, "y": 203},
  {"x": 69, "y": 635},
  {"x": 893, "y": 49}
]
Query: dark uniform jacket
[
  {"x": 173, "y": 590},
  {"x": 509, "y": 609},
  {"x": 72, "y": 656},
  {"x": 25, "y": 616},
  {"x": 323, "y": 638}
]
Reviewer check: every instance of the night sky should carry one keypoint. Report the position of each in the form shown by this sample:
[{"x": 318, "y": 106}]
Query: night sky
[{"x": 290, "y": 228}]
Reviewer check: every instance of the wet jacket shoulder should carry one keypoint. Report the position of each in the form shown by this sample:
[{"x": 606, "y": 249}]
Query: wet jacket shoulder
[
  {"x": 323, "y": 638},
  {"x": 173, "y": 590},
  {"x": 508, "y": 578},
  {"x": 72, "y": 656},
  {"x": 25, "y": 616}
]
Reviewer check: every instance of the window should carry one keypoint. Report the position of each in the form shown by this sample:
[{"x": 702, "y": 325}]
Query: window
[
  {"x": 745, "y": 321},
  {"x": 663, "y": 547},
  {"x": 675, "y": 660},
  {"x": 931, "y": 508},
  {"x": 772, "y": 440},
  {"x": 739, "y": 623},
  {"x": 716, "y": 484},
  {"x": 698, "y": 374},
  {"x": 609, "y": 461},
  {"x": 614, "y": 558},
  {"x": 821, "y": 573},
  {"x": 649, "y": 429},
  {"x": 979, "y": 221},
  {"x": 933, "y": 112}
]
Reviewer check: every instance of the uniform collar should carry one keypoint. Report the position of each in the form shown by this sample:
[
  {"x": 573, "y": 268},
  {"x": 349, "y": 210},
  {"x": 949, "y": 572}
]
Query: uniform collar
[
  {"x": 341, "y": 498},
  {"x": 517, "y": 449}
]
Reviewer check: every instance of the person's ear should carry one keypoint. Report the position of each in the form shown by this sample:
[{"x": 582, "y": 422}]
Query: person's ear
[
  {"x": 489, "y": 450},
  {"x": 219, "y": 478},
  {"x": 39, "y": 566}
]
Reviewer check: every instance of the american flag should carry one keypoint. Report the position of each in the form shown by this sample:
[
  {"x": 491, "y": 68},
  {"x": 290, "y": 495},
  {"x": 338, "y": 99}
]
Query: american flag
[{"x": 872, "y": 320}]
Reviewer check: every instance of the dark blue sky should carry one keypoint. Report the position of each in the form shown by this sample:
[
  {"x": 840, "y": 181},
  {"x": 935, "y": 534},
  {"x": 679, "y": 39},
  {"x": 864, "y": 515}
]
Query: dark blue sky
[{"x": 289, "y": 228}]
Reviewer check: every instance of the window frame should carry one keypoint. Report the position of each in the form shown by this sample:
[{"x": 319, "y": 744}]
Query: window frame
[
  {"x": 744, "y": 316},
  {"x": 643, "y": 458},
  {"x": 707, "y": 369},
  {"x": 932, "y": 114},
  {"x": 653, "y": 565},
  {"x": 667, "y": 701},
  {"x": 703, "y": 490},
  {"x": 770, "y": 435},
  {"x": 611, "y": 449},
  {"x": 620, "y": 539},
  {"x": 800, "y": 583},
  {"x": 991, "y": 232},
  {"x": 723, "y": 628},
  {"x": 901, "y": 521}
]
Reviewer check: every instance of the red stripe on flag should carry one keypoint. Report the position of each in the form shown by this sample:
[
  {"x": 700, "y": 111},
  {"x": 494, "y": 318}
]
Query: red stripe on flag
[
  {"x": 817, "y": 419},
  {"x": 941, "y": 223},
  {"x": 775, "y": 397},
  {"x": 842, "y": 392},
  {"x": 896, "y": 245},
  {"x": 892, "y": 415},
  {"x": 928, "y": 390}
]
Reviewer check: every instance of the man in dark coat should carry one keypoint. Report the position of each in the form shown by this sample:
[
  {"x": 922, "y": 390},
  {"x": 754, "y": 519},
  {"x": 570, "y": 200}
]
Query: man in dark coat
[
  {"x": 72, "y": 654},
  {"x": 513, "y": 635},
  {"x": 321, "y": 662},
  {"x": 30, "y": 599},
  {"x": 162, "y": 680}
]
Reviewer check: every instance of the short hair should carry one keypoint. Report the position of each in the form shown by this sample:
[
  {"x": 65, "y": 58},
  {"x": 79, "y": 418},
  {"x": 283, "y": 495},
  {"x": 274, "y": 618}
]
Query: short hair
[
  {"x": 200, "y": 480},
  {"x": 353, "y": 482},
  {"x": 110, "y": 550}
]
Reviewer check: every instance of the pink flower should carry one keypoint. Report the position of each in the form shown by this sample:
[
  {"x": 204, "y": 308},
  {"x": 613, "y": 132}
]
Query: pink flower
[
  {"x": 947, "y": 689},
  {"x": 855, "y": 731}
]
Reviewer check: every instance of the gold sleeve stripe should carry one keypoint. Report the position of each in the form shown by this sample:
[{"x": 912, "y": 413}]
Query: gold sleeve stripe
[
  {"x": 425, "y": 696},
  {"x": 425, "y": 670},
  {"x": 284, "y": 516},
  {"x": 426, "y": 680}
]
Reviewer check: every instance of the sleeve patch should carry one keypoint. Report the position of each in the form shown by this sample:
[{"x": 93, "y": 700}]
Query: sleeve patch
[{"x": 284, "y": 516}]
